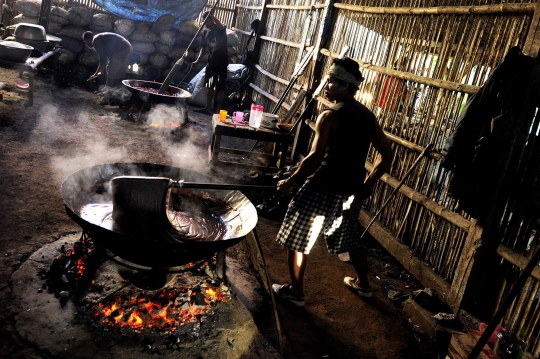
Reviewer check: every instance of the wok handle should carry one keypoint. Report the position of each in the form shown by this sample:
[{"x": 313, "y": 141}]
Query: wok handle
[{"x": 240, "y": 187}]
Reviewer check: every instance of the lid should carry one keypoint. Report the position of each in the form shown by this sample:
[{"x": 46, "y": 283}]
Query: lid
[{"x": 270, "y": 116}]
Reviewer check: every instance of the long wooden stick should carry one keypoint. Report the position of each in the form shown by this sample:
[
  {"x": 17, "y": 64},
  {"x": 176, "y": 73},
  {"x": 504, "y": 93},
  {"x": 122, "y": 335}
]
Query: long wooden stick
[
  {"x": 178, "y": 64},
  {"x": 396, "y": 189},
  {"x": 501, "y": 311}
]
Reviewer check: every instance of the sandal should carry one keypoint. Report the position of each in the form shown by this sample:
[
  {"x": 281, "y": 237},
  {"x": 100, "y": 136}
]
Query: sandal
[
  {"x": 351, "y": 282},
  {"x": 285, "y": 292}
]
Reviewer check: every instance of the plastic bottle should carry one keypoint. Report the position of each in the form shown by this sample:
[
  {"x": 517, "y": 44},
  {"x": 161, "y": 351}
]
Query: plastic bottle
[
  {"x": 260, "y": 110},
  {"x": 253, "y": 115}
]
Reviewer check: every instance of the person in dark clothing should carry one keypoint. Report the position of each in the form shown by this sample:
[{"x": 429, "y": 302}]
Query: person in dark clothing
[
  {"x": 214, "y": 41},
  {"x": 334, "y": 183},
  {"x": 113, "y": 51}
]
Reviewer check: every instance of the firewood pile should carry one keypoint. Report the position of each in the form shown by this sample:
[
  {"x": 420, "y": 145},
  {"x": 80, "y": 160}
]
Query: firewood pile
[{"x": 156, "y": 46}]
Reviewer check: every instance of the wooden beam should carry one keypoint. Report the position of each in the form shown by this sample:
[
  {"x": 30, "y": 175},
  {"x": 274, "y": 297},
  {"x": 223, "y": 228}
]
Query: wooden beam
[
  {"x": 44, "y": 14},
  {"x": 301, "y": 7},
  {"x": 268, "y": 95},
  {"x": 276, "y": 78},
  {"x": 516, "y": 259},
  {"x": 426, "y": 202},
  {"x": 249, "y": 7},
  {"x": 459, "y": 10},
  {"x": 446, "y": 85},
  {"x": 420, "y": 270},
  {"x": 280, "y": 41},
  {"x": 532, "y": 42}
]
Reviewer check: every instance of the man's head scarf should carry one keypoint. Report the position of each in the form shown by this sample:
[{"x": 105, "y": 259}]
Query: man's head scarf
[{"x": 340, "y": 73}]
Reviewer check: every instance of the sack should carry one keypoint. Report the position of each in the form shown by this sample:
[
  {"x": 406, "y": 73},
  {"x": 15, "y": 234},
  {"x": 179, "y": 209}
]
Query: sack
[
  {"x": 143, "y": 35},
  {"x": 236, "y": 72},
  {"x": 80, "y": 16},
  {"x": 28, "y": 7},
  {"x": 163, "y": 23},
  {"x": 167, "y": 37},
  {"x": 74, "y": 32},
  {"x": 124, "y": 27},
  {"x": 89, "y": 59},
  {"x": 198, "y": 97},
  {"x": 101, "y": 23},
  {"x": 59, "y": 16}
]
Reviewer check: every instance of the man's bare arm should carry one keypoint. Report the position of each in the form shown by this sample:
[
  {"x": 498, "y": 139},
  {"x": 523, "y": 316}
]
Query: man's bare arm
[
  {"x": 382, "y": 162},
  {"x": 313, "y": 160}
]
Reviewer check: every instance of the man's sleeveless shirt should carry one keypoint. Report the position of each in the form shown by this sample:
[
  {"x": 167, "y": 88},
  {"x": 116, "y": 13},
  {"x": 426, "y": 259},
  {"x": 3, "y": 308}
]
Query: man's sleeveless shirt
[{"x": 343, "y": 168}]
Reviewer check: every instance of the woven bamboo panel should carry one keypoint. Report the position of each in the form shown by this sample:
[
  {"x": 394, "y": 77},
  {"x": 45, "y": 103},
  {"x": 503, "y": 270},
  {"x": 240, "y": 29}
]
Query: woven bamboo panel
[{"x": 453, "y": 47}]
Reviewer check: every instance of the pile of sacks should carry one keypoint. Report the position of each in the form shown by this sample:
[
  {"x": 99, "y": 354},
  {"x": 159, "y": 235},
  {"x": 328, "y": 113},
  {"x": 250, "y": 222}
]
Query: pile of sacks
[{"x": 156, "y": 45}]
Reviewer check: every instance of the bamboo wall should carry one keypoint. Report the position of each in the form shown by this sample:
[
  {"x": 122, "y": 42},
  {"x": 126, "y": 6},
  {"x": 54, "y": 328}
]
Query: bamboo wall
[
  {"x": 454, "y": 48},
  {"x": 443, "y": 48},
  {"x": 446, "y": 52},
  {"x": 450, "y": 51}
]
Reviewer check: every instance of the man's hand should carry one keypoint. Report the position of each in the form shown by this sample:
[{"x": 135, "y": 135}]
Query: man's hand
[
  {"x": 367, "y": 190},
  {"x": 94, "y": 76},
  {"x": 285, "y": 187}
]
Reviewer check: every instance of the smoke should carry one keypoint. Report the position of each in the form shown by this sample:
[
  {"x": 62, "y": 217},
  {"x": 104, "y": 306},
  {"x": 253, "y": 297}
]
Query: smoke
[
  {"x": 182, "y": 146},
  {"x": 119, "y": 94},
  {"x": 165, "y": 116},
  {"x": 81, "y": 138}
]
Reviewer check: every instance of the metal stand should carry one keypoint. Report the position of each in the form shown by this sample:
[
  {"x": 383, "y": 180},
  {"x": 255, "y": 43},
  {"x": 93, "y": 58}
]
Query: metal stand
[{"x": 94, "y": 262}]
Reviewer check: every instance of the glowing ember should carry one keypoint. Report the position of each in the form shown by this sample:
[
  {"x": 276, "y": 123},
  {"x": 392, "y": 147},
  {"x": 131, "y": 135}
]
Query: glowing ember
[
  {"x": 164, "y": 310},
  {"x": 169, "y": 124}
]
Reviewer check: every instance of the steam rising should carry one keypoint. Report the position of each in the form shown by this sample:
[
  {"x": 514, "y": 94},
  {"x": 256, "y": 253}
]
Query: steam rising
[
  {"x": 82, "y": 144},
  {"x": 183, "y": 147}
]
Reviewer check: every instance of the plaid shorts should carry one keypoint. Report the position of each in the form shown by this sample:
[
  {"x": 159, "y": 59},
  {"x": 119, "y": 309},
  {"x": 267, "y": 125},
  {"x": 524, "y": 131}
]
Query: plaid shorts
[{"x": 312, "y": 213}]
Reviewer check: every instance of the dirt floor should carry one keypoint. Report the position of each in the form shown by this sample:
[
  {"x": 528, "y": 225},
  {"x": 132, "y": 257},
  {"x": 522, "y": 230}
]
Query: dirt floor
[{"x": 67, "y": 129}]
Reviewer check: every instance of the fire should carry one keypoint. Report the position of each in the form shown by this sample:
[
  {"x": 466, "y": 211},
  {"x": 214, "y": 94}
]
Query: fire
[
  {"x": 135, "y": 321},
  {"x": 164, "y": 310},
  {"x": 169, "y": 124}
]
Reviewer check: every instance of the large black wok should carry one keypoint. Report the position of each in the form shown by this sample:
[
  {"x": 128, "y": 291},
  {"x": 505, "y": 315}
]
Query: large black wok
[
  {"x": 148, "y": 90},
  {"x": 91, "y": 186}
]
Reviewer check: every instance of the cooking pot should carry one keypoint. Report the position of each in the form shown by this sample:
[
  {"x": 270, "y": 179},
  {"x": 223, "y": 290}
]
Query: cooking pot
[
  {"x": 30, "y": 31},
  {"x": 31, "y": 34},
  {"x": 91, "y": 188},
  {"x": 269, "y": 120},
  {"x": 14, "y": 51}
]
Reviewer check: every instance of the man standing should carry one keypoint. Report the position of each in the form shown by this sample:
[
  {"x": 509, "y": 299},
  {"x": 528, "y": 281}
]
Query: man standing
[
  {"x": 214, "y": 41},
  {"x": 334, "y": 186},
  {"x": 113, "y": 51}
]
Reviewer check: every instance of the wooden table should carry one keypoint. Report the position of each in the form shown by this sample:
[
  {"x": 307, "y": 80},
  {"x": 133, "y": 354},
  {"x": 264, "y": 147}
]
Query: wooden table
[
  {"x": 229, "y": 128},
  {"x": 27, "y": 69}
]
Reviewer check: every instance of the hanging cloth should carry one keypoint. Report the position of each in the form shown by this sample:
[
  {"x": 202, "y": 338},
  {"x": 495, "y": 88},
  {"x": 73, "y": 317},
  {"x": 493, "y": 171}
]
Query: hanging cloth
[{"x": 472, "y": 149}]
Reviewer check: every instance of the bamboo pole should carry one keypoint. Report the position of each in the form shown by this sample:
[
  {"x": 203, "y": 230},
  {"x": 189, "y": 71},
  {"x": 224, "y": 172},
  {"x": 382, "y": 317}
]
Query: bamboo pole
[
  {"x": 268, "y": 95},
  {"x": 419, "y": 198},
  {"x": 249, "y": 7},
  {"x": 280, "y": 41},
  {"x": 299, "y": 7},
  {"x": 440, "y": 10},
  {"x": 447, "y": 85},
  {"x": 275, "y": 78}
]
